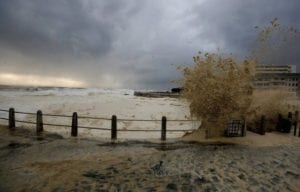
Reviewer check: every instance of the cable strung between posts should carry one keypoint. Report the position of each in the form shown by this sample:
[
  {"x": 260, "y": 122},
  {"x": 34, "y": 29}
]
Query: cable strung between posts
[
  {"x": 155, "y": 130},
  {"x": 180, "y": 130},
  {"x": 157, "y": 120},
  {"x": 98, "y": 128},
  {"x": 139, "y": 120},
  {"x": 52, "y": 115},
  {"x": 145, "y": 130},
  {"x": 29, "y": 122},
  {"x": 26, "y": 113},
  {"x": 187, "y": 120},
  {"x": 56, "y": 125},
  {"x": 100, "y": 118},
  {"x": 4, "y": 118}
]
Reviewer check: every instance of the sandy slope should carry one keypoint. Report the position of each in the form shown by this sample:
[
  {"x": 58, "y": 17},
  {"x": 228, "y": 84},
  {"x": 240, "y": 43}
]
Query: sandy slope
[{"x": 50, "y": 163}]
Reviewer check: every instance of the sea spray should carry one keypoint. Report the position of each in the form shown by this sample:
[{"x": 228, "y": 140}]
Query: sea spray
[{"x": 220, "y": 87}]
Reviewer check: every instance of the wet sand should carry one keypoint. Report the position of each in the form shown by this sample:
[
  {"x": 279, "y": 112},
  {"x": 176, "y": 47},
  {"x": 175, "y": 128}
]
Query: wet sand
[{"x": 53, "y": 163}]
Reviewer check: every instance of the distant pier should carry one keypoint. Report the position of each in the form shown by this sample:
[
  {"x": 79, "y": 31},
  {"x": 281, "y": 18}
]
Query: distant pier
[
  {"x": 156, "y": 94},
  {"x": 175, "y": 93}
]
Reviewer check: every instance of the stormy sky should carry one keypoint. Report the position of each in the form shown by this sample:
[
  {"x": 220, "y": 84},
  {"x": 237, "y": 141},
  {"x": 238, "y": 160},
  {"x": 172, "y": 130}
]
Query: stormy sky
[{"x": 129, "y": 43}]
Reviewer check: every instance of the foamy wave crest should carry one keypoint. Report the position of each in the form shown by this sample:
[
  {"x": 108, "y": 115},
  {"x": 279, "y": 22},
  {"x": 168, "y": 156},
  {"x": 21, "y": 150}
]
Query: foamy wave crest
[{"x": 58, "y": 91}]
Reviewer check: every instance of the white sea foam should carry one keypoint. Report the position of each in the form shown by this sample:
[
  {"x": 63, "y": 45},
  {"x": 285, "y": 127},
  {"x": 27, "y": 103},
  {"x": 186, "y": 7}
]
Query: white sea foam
[
  {"x": 99, "y": 103},
  {"x": 56, "y": 91}
]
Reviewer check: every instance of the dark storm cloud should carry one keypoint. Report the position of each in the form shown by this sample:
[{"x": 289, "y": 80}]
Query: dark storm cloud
[
  {"x": 62, "y": 27},
  {"x": 132, "y": 43}
]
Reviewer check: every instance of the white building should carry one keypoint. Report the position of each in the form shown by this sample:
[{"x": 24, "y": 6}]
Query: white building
[
  {"x": 275, "y": 69},
  {"x": 277, "y": 77}
]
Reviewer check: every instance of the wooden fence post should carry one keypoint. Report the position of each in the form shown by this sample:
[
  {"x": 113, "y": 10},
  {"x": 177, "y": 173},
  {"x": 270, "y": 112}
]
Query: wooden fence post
[
  {"x": 262, "y": 130},
  {"x": 74, "y": 129},
  {"x": 11, "y": 117},
  {"x": 39, "y": 122},
  {"x": 244, "y": 127},
  {"x": 114, "y": 127},
  {"x": 296, "y": 122},
  {"x": 290, "y": 122},
  {"x": 279, "y": 122},
  {"x": 299, "y": 132},
  {"x": 163, "y": 128}
]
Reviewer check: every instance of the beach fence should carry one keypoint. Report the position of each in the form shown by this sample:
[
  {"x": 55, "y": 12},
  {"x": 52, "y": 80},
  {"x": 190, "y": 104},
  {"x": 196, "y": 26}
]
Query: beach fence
[
  {"x": 281, "y": 124},
  {"x": 74, "y": 126}
]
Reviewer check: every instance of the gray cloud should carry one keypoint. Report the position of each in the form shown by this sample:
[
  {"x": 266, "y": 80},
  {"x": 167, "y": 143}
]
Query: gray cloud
[
  {"x": 132, "y": 44},
  {"x": 231, "y": 24},
  {"x": 59, "y": 28}
]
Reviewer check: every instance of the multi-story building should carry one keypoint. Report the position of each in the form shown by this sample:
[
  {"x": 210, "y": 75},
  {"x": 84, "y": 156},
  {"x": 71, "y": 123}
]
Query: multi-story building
[
  {"x": 277, "y": 77},
  {"x": 276, "y": 69}
]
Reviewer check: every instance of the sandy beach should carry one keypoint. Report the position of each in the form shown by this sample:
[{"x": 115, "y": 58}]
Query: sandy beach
[{"x": 53, "y": 163}]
